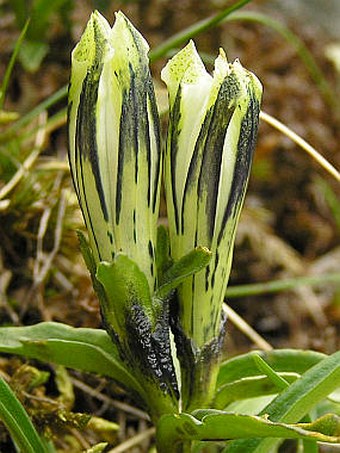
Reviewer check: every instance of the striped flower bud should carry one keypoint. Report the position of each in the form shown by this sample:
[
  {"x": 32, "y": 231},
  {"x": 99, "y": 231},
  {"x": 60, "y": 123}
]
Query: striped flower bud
[
  {"x": 211, "y": 138},
  {"x": 114, "y": 142}
]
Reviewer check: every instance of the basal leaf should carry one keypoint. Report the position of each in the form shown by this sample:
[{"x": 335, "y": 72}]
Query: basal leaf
[
  {"x": 173, "y": 430},
  {"x": 295, "y": 402},
  {"x": 84, "y": 349}
]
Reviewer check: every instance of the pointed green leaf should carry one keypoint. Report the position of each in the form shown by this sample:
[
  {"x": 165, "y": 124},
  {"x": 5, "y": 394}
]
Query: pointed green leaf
[
  {"x": 295, "y": 402},
  {"x": 84, "y": 349},
  {"x": 267, "y": 370},
  {"x": 142, "y": 328},
  {"x": 281, "y": 360},
  {"x": 190, "y": 264},
  {"x": 17, "y": 421},
  {"x": 249, "y": 387},
  {"x": 125, "y": 285},
  {"x": 223, "y": 426},
  {"x": 239, "y": 378}
]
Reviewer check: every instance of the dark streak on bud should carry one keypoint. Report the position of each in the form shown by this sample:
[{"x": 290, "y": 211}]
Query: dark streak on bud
[
  {"x": 86, "y": 145},
  {"x": 175, "y": 117},
  {"x": 205, "y": 165},
  {"x": 157, "y": 160},
  {"x": 85, "y": 140},
  {"x": 109, "y": 235},
  {"x": 245, "y": 151},
  {"x": 151, "y": 349},
  {"x": 151, "y": 251},
  {"x": 134, "y": 226},
  {"x": 207, "y": 273},
  {"x": 193, "y": 361},
  {"x": 134, "y": 132},
  {"x": 193, "y": 318},
  {"x": 211, "y": 167}
]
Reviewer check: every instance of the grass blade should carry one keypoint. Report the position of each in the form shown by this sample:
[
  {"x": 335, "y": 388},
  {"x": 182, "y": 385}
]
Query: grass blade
[
  {"x": 303, "y": 52},
  {"x": 281, "y": 360},
  {"x": 18, "y": 422},
  {"x": 295, "y": 402},
  {"x": 10, "y": 66},
  {"x": 275, "y": 286},
  {"x": 183, "y": 36}
]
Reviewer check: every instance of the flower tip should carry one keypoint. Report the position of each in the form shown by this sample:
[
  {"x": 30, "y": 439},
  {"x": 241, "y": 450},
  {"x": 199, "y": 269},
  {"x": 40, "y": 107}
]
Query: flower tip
[
  {"x": 123, "y": 31},
  {"x": 184, "y": 67},
  {"x": 95, "y": 34},
  {"x": 99, "y": 24},
  {"x": 222, "y": 54}
]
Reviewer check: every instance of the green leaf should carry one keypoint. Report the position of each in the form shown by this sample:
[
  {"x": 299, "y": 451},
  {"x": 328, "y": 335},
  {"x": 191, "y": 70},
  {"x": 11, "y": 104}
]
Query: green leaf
[
  {"x": 222, "y": 426},
  {"x": 125, "y": 285},
  {"x": 9, "y": 69},
  {"x": 32, "y": 53},
  {"x": 281, "y": 360},
  {"x": 190, "y": 264},
  {"x": 142, "y": 330},
  {"x": 249, "y": 387},
  {"x": 84, "y": 349},
  {"x": 239, "y": 378},
  {"x": 263, "y": 366},
  {"x": 199, "y": 27},
  {"x": 17, "y": 421},
  {"x": 292, "y": 404}
]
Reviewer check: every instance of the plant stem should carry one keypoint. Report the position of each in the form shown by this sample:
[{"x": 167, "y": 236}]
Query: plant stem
[
  {"x": 199, "y": 380},
  {"x": 276, "y": 286}
]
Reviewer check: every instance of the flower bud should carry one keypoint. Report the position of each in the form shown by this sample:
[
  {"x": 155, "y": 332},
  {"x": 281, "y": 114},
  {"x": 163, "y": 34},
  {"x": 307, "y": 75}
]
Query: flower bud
[
  {"x": 114, "y": 142},
  {"x": 212, "y": 132}
]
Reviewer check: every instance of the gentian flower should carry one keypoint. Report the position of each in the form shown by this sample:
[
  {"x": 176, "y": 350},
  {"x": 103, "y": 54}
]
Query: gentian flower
[
  {"x": 114, "y": 142},
  {"x": 212, "y": 132},
  {"x": 115, "y": 160}
]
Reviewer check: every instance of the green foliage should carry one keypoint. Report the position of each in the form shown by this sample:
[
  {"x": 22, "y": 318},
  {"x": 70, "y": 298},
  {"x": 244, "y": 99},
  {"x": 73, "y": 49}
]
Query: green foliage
[
  {"x": 222, "y": 426},
  {"x": 17, "y": 421},
  {"x": 41, "y": 13},
  {"x": 189, "y": 264},
  {"x": 84, "y": 349},
  {"x": 280, "y": 387},
  {"x": 296, "y": 401},
  {"x": 315, "y": 377}
]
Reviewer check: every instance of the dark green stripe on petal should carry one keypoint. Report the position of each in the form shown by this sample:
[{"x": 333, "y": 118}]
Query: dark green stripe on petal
[
  {"x": 211, "y": 140},
  {"x": 174, "y": 131},
  {"x": 86, "y": 143},
  {"x": 245, "y": 150}
]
